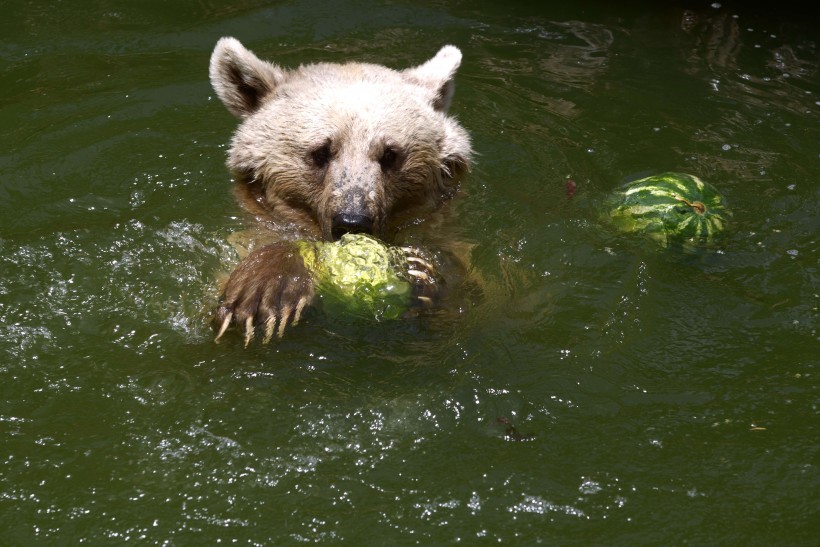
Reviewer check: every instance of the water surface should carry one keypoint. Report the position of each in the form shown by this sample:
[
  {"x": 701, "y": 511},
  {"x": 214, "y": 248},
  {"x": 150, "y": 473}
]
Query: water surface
[{"x": 604, "y": 391}]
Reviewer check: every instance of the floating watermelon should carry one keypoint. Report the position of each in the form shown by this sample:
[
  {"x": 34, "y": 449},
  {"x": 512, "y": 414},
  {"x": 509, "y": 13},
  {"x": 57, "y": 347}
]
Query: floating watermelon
[
  {"x": 672, "y": 209},
  {"x": 365, "y": 276}
]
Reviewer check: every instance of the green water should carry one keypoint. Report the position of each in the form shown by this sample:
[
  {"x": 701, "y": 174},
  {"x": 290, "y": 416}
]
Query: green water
[{"x": 604, "y": 391}]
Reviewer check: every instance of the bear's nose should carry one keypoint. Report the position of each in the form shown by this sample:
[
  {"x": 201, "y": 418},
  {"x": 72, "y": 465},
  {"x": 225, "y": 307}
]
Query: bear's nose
[{"x": 346, "y": 223}]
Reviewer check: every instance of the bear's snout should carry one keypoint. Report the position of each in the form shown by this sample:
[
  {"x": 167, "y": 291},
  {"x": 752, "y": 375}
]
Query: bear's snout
[{"x": 350, "y": 223}]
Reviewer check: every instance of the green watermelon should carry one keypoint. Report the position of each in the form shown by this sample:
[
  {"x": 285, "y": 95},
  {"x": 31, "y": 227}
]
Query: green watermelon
[
  {"x": 672, "y": 209},
  {"x": 362, "y": 275}
]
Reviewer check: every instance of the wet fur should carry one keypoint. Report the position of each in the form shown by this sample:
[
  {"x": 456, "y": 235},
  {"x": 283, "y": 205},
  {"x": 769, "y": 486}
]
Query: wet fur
[{"x": 324, "y": 140}]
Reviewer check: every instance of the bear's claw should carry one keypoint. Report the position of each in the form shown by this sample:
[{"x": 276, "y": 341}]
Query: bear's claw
[
  {"x": 271, "y": 288},
  {"x": 223, "y": 326},
  {"x": 422, "y": 273},
  {"x": 414, "y": 258},
  {"x": 420, "y": 269}
]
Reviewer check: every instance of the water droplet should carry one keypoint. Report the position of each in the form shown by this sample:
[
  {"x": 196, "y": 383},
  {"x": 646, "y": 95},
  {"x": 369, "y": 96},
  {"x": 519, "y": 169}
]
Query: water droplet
[{"x": 590, "y": 487}]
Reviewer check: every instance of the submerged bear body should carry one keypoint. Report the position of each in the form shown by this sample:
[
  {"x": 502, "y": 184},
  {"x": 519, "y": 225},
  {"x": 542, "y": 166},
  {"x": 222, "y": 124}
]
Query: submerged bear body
[{"x": 327, "y": 149}]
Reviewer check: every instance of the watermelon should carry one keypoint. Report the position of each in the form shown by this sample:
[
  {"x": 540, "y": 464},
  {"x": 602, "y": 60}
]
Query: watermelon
[
  {"x": 363, "y": 276},
  {"x": 672, "y": 209}
]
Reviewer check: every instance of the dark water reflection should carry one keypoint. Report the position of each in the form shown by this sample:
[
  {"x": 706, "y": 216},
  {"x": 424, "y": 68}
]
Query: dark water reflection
[{"x": 658, "y": 396}]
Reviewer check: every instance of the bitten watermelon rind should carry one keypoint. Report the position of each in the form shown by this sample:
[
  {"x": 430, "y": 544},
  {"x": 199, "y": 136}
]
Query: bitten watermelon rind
[{"x": 360, "y": 274}]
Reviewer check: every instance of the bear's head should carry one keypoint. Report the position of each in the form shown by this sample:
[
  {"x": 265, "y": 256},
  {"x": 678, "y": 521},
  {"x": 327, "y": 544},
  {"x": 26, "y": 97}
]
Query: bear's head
[{"x": 339, "y": 148}]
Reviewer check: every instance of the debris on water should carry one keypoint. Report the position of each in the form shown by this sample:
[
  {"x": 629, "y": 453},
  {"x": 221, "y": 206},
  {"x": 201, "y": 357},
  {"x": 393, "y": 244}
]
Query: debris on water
[
  {"x": 511, "y": 433},
  {"x": 570, "y": 187}
]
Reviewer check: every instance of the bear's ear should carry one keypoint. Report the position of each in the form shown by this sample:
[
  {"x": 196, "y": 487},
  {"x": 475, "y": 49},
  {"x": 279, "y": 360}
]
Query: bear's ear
[
  {"x": 241, "y": 79},
  {"x": 436, "y": 75}
]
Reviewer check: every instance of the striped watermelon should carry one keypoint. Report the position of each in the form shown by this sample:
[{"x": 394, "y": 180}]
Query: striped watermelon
[{"x": 672, "y": 209}]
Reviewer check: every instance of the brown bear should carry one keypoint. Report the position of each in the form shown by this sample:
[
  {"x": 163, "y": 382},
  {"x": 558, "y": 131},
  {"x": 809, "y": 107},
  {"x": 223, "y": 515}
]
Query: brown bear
[{"x": 326, "y": 149}]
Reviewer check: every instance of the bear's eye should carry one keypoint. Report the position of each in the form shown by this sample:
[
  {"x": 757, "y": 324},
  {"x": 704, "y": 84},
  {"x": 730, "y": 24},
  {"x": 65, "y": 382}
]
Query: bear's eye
[
  {"x": 389, "y": 158},
  {"x": 321, "y": 156}
]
